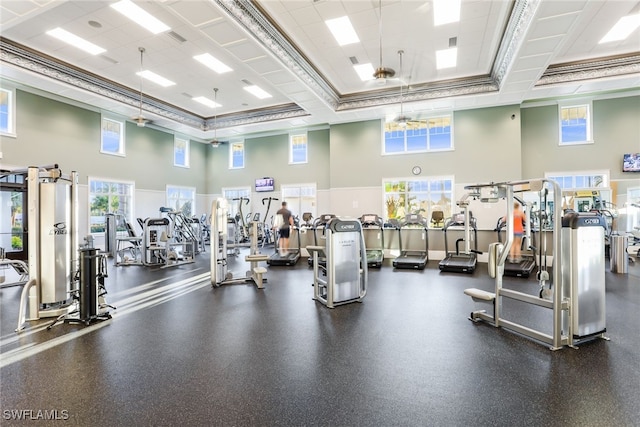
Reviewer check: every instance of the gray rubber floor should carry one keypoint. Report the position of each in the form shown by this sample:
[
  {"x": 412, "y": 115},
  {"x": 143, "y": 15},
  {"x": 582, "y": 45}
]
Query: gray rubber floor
[{"x": 179, "y": 352}]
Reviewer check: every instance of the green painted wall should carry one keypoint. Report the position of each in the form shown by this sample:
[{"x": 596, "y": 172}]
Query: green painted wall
[
  {"x": 269, "y": 156},
  {"x": 616, "y": 130},
  {"x": 484, "y": 138},
  {"x": 50, "y": 131}
]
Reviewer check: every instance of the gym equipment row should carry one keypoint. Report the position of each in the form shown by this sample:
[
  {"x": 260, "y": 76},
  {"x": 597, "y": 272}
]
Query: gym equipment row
[
  {"x": 576, "y": 293},
  {"x": 162, "y": 243}
]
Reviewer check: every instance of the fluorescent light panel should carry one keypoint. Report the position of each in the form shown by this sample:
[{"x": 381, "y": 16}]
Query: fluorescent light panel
[
  {"x": 257, "y": 92},
  {"x": 622, "y": 29},
  {"x": 213, "y": 63},
  {"x": 365, "y": 71},
  {"x": 446, "y": 58},
  {"x": 155, "y": 78},
  {"x": 446, "y": 11},
  {"x": 75, "y": 41},
  {"x": 140, "y": 16},
  {"x": 342, "y": 30},
  {"x": 206, "y": 101}
]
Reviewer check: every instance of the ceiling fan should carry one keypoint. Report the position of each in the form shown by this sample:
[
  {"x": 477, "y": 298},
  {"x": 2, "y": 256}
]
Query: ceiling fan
[
  {"x": 215, "y": 142},
  {"x": 401, "y": 119},
  {"x": 382, "y": 73},
  {"x": 140, "y": 120}
]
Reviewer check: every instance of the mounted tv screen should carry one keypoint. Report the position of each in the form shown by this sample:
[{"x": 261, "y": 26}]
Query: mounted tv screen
[
  {"x": 264, "y": 184},
  {"x": 631, "y": 162}
]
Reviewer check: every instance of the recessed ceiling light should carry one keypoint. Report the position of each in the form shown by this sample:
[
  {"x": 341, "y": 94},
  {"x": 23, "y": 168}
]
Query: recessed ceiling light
[
  {"x": 213, "y": 63},
  {"x": 622, "y": 29},
  {"x": 365, "y": 71},
  {"x": 342, "y": 30},
  {"x": 446, "y": 11},
  {"x": 446, "y": 58},
  {"x": 140, "y": 16},
  {"x": 257, "y": 92},
  {"x": 155, "y": 78},
  {"x": 206, "y": 101},
  {"x": 76, "y": 41}
]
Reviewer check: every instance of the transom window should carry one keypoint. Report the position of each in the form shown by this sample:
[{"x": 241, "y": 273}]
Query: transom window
[
  {"x": 236, "y": 155},
  {"x": 106, "y": 196},
  {"x": 181, "y": 152},
  {"x": 580, "y": 180},
  {"x": 432, "y": 134},
  {"x": 112, "y": 136},
  {"x": 575, "y": 124},
  {"x": 298, "y": 148},
  {"x": 422, "y": 196},
  {"x": 7, "y": 112}
]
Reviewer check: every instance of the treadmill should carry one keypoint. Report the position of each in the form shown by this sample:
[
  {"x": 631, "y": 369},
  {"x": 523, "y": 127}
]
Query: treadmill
[
  {"x": 373, "y": 223},
  {"x": 293, "y": 254},
  {"x": 413, "y": 258},
  {"x": 320, "y": 223},
  {"x": 461, "y": 262},
  {"x": 528, "y": 262}
]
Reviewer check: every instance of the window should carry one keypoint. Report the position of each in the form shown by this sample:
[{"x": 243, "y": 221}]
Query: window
[
  {"x": 13, "y": 215},
  {"x": 580, "y": 180},
  {"x": 300, "y": 198},
  {"x": 7, "y": 112},
  {"x": 233, "y": 196},
  {"x": 575, "y": 124},
  {"x": 182, "y": 199},
  {"x": 112, "y": 137},
  {"x": 418, "y": 196},
  {"x": 298, "y": 148},
  {"x": 181, "y": 152},
  {"x": 433, "y": 134},
  {"x": 106, "y": 196},
  {"x": 236, "y": 155}
]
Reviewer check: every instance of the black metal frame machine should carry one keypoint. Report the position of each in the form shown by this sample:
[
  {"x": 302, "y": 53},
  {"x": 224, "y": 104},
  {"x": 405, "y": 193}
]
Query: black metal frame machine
[
  {"x": 527, "y": 264},
  {"x": 461, "y": 262},
  {"x": 374, "y": 224},
  {"x": 413, "y": 258},
  {"x": 292, "y": 255}
]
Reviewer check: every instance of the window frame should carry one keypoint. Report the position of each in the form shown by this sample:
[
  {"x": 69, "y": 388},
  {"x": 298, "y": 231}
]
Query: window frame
[
  {"x": 605, "y": 174},
  {"x": 128, "y": 215},
  {"x": 10, "y": 131},
  {"x": 231, "y": 157},
  {"x": 294, "y": 203},
  {"x": 428, "y": 182},
  {"x": 239, "y": 192},
  {"x": 293, "y": 136},
  {"x": 589, "y": 122},
  {"x": 122, "y": 140},
  {"x": 170, "y": 201},
  {"x": 428, "y": 143},
  {"x": 187, "y": 152}
]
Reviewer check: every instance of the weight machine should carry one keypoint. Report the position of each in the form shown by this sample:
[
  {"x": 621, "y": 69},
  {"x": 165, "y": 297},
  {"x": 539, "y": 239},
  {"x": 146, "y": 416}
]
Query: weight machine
[
  {"x": 576, "y": 295},
  {"x": 219, "y": 266},
  {"x": 346, "y": 264},
  {"x": 52, "y": 207}
]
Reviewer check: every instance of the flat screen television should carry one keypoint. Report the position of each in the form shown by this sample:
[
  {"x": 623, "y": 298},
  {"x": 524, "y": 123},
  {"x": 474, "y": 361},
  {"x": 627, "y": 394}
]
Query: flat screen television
[
  {"x": 631, "y": 162},
  {"x": 264, "y": 184}
]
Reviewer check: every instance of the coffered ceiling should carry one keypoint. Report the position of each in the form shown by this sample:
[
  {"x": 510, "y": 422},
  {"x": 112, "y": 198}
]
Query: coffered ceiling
[{"x": 508, "y": 52}]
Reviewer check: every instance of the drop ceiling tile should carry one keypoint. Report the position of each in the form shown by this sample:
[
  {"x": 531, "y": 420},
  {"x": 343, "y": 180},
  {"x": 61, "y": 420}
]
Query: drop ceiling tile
[
  {"x": 224, "y": 33},
  {"x": 196, "y": 13}
]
